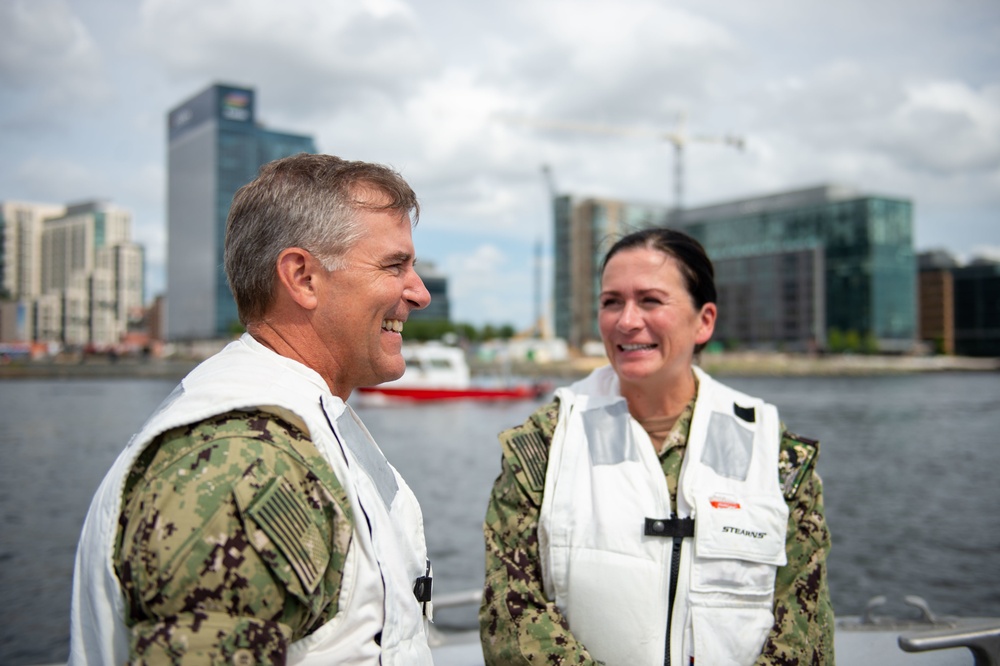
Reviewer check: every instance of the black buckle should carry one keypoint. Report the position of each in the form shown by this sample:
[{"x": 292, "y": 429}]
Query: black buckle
[
  {"x": 422, "y": 586},
  {"x": 670, "y": 527},
  {"x": 422, "y": 589}
]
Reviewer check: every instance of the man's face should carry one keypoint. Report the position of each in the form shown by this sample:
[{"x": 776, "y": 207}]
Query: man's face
[{"x": 363, "y": 305}]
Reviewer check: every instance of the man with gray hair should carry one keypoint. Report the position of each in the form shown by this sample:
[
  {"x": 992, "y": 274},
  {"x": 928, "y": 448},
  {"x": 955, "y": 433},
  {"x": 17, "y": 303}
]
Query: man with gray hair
[{"x": 253, "y": 519}]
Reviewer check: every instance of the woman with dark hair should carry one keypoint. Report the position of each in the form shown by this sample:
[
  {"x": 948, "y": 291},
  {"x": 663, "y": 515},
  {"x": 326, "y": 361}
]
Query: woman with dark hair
[{"x": 650, "y": 514}]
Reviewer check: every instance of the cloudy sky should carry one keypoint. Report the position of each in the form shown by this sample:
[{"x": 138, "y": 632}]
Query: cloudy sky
[{"x": 895, "y": 97}]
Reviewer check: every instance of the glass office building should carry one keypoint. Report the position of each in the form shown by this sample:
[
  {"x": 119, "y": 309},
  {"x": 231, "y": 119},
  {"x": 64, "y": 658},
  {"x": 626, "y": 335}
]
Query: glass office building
[
  {"x": 793, "y": 270},
  {"x": 215, "y": 146},
  {"x": 436, "y": 283},
  {"x": 977, "y": 308}
]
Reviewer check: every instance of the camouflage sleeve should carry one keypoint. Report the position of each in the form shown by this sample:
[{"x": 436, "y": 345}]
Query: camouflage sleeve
[
  {"x": 232, "y": 542},
  {"x": 803, "y": 615},
  {"x": 517, "y": 624}
]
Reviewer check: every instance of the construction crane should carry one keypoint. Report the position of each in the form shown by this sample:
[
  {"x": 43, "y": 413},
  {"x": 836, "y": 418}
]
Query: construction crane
[
  {"x": 550, "y": 181},
  {"x": 679, "y": 138},
  {"x": 539, "y": 327}
]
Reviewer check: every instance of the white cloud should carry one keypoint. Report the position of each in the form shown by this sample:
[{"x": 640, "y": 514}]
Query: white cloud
[
  {"x": 623, "y": 62},
  {"x": 487, "y": 286},
  {"x": 59, "y": 180},
  {"x": 946, "y": 127},
  {"x": 312, "y": 57},
  {"x": 49, "y": 55},
  {"x": 484, "y": 261},
  {"x": 905, "y": 103},
  {"x": 989, "y": 252}
]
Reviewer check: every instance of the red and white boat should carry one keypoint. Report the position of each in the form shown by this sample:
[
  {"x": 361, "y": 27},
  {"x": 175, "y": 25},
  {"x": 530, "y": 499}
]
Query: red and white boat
[{"x": 438, "y": 372}]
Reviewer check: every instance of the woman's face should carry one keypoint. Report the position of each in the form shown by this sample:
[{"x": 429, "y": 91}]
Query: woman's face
[{"x": 647, "y": 318}]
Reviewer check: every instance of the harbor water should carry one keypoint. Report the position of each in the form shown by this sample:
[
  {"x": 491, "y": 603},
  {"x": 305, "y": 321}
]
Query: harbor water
[{"x": 910, "y": 464}]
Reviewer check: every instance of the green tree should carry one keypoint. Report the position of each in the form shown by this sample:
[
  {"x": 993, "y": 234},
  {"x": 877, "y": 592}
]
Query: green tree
[
  {"x": 869, "y": 344},
  {"x": 467, "y": 332},
  {"x": 835, "y": 341},
  {"x": 938, "y": 343},
  {"x": 852, "y": 342},
  {"x": 422, "y": 330}
]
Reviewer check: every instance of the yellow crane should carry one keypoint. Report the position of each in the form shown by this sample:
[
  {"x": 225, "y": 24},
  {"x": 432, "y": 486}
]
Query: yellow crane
[{"x": 678, "y": 138}]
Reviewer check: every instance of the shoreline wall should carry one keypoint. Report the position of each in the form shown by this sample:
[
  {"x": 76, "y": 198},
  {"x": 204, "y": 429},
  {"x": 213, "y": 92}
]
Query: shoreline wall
[{"x": 725, "y": 364}]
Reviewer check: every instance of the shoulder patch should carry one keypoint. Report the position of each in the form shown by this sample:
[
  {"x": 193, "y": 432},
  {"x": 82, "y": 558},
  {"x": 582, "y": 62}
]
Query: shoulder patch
[
  {"x": 526, "y": 447},
  {"x": 795, "y": 461},
  {"x": 286, "y": 521},
  {"x": 532, "y": 453}
]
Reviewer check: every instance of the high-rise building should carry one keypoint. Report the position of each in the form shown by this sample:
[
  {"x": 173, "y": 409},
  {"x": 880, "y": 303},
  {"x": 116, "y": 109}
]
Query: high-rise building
[
  {"x": 585, "y": 228},
  {"x": 436, "y": 283},
  {"x": 936, "y": 300},
  {"x": 794, "y": 270},
  {"x": 21, "y": 247},
  {"x": 977, "y": 308},
  {"x": 812, "y": 268},
  {"x": 70, "y": 273},
  {"x": 91, "y": 276},
  {"x": 215, "y": 146}
]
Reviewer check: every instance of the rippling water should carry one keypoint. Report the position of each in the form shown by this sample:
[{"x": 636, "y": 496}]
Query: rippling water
[{"x": 910, "y": 467}]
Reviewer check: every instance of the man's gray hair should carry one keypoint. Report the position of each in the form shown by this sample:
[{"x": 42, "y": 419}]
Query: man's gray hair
[{"x": 308, "y": 201}]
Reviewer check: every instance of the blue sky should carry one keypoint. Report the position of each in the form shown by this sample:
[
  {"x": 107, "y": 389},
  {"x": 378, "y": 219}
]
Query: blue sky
[{"x": 895, "y": 97}]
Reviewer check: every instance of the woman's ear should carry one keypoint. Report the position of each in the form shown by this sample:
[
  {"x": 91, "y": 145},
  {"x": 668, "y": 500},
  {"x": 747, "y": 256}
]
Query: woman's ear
[{"x": 706, "y": 323}]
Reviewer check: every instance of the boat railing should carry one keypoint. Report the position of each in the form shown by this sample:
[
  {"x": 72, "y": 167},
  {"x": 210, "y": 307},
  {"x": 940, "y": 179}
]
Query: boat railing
[
  {"x": 929, "y": 631},
  {"x": 982, "y": 639}
]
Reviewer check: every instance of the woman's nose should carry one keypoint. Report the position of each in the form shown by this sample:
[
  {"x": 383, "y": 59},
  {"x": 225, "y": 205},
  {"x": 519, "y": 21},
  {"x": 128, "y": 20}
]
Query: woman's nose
[{"x": 631, "y": 317}]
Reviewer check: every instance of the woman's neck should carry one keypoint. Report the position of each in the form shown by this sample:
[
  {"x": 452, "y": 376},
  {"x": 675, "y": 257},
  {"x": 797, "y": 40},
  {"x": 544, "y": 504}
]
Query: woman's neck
[{"x": 646, "y": 401}]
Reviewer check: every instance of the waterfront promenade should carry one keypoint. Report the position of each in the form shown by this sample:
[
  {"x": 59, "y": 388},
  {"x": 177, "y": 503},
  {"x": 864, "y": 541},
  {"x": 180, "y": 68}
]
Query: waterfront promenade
[
  {"x": 755, "y": 364},
  {"x": 721, "y": 364}
]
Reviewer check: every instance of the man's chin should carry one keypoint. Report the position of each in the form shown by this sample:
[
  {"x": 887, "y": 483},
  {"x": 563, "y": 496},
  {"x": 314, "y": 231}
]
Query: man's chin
[{"x": 393, "y": 371}]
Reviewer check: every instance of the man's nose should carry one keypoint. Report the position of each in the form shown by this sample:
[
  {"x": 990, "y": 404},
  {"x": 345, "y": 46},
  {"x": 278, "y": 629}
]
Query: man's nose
[{"x": 416, "y": 293}]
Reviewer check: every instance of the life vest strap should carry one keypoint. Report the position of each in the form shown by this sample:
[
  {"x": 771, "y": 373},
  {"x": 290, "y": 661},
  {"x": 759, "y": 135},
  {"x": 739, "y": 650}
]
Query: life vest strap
[{"x": 670, "y": 527}]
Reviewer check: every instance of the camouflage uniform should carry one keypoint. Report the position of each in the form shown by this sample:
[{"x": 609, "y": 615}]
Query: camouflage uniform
[
  {"x": 231, "y": 542},
  {"x": 519, "y": 625}
]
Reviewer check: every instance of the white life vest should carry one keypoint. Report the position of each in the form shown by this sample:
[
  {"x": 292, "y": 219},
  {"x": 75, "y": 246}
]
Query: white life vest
[
  {"x": 606, "y": 500},
  {"x": 387, "y": 552}
]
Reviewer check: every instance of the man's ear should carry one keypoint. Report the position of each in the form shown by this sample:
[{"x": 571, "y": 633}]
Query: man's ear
[{"x": 296, "y": 270}]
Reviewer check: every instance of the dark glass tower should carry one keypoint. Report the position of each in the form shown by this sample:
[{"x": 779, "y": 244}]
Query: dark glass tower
[
  {"x": 215, "y": 146},
  {"x": 792, "y": 270}
]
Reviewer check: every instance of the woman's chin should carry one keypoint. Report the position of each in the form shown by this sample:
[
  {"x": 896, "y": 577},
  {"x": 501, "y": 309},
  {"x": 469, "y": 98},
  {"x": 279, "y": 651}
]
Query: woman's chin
[{"x": 634, "y": 370}]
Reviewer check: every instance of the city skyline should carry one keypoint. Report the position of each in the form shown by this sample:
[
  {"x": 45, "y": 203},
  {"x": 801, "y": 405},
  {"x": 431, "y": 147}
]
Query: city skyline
[{"x": 899, "y": 99}]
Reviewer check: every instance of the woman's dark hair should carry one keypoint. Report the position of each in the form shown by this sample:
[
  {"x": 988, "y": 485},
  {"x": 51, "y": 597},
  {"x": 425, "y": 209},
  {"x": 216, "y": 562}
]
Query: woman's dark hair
[{"x": 696, "y": 267}]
